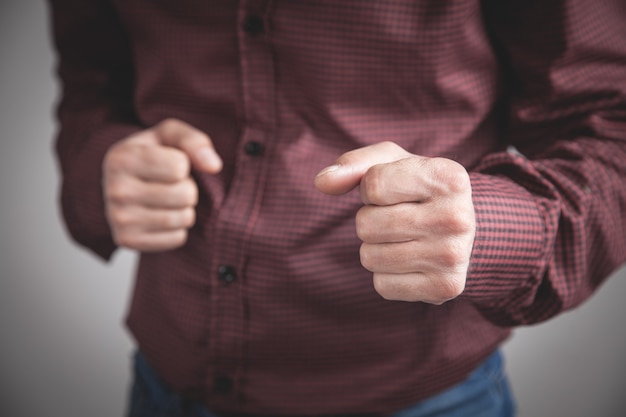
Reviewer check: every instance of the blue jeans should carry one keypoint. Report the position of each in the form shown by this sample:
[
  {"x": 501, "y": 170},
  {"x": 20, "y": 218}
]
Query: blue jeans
[{"x": 485, "y": 393}]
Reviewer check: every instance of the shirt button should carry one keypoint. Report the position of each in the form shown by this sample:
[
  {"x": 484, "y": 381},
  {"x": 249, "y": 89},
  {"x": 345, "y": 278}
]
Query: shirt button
[
  {"x": 253, "y": 25},
  {"x": 227, "y": 273},
  {"x": 253, "y": 148},
  {"x": 222, "y": 385}
]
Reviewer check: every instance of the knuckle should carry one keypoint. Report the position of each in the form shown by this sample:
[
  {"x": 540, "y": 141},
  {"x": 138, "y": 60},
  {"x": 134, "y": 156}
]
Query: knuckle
[
  {"x": 123, "y": 155},
  {"x": 179, "y": 166},
  {"x": 170, "y": 220},
  {"x": 443, "y": 288},
  {"x": 168, "y": 124},
  {"x": 382, "y": 287},
  {"x": 127, "y": 240},
  {"x": 392, "y": 148},
  {"x": 115, "y": 159},
  {"x": 121, "y": 219},
  {"x": 189, "y": 193},
  {"x": 188, "y": 217},
  {"x": 372, "y": 186},
  {"x": 452, "y": 253},
  {"x": 461, "y": 223},
  {"x": 177, "y": 219},
  {"x": 447, "y": 288},
  {"x": 454, "y": 219},
  {"x": 392, "y": 290},
  {"x": 118, "y": 191},
  {"x": 178, "y": 239},
  {"x": 450, "y": 175},
  {"x": 367, "y": 260},
  {"x": 363, "y": 228}
]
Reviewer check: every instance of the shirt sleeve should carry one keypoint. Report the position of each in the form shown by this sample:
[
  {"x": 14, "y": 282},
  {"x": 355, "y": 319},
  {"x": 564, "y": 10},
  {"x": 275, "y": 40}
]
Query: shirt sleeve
[
  {"x": 95, "y": 110},
  {"x": 551, "y": 210}
]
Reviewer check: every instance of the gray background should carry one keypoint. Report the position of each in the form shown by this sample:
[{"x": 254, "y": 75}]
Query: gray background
[{"x": 63, "y": 349}]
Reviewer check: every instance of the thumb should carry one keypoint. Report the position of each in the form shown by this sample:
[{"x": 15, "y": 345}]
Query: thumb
[
  {"x": 193, "y": 142},
  {"x": 347, "y": 171}
]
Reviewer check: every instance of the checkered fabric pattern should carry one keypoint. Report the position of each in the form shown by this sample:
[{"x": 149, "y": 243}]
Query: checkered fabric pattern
[{"x": 267, "y": 309}]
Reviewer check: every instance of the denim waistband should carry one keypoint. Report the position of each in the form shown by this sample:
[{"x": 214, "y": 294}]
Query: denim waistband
[{"x": 150, "y": 397}]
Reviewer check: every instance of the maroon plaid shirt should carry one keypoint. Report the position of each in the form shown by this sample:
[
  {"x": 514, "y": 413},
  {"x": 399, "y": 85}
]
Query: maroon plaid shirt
[{"x": 267, "y": 309}]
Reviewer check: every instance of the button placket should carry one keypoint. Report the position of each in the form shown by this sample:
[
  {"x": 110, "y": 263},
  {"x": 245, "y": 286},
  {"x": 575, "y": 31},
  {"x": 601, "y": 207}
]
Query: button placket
[{"x": 242, "y": 202}]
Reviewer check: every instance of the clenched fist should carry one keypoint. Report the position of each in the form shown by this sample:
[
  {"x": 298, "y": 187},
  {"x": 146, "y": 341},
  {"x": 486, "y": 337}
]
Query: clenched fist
[
  {"x": 149, "y": 195},
  {"x": 417, "y": 224}
]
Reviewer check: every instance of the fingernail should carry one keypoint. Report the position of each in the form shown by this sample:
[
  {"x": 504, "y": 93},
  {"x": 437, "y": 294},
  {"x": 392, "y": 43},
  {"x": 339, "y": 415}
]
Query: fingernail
[
  {"x": 328, "y": 169},
  {"x": 209, "y": 158}
]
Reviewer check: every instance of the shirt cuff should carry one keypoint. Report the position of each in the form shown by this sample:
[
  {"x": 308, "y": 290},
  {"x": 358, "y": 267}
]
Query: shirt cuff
[{"x": 509, "y": 252}]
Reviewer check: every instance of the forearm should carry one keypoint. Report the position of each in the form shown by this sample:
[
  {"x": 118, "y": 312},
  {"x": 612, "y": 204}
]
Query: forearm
[{"x": 551, "y": 224}]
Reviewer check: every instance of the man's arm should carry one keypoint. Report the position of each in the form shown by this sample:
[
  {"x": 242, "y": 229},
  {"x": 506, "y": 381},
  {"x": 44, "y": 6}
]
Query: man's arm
[
  {"x": 122, "y": 184},
  {"x": 549, "y": 221},
  {"x": 417, "y": 224},
  {"x": 567, "y": 66},
  {"x": 95, "y": 110}
]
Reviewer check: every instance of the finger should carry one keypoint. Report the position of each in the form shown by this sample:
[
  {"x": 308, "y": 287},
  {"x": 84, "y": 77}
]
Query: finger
[
  {"x": 413, "y": 287},
  {"x": 151, "y": 163},
  {"x": 394, "y": 258},
  {"x": 179, "y": 195},
  {"x": 427, "y": 256},
  {"x": 347, "y": 171},
  {"x": 193, "y": 142},
  {"x": 391, "y": 224},
  {"x": 153, "y": 241},
  {"x": 133, "y": 191},
  {"x": 414, "y": 221},
  {"x": 413, "y": 179},
  {"x": 138, "y": 220}
]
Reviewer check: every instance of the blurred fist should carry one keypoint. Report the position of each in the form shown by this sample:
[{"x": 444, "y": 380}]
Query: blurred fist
[
  {"x": 417, "y": 224},
  {"x": 149, "y": 194}
]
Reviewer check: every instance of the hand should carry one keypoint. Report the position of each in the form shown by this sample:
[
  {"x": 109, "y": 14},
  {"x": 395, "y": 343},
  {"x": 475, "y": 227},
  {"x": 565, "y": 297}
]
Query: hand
[
  {"x": 417, "y": 225},
  {"x": 149, "y": 195}
]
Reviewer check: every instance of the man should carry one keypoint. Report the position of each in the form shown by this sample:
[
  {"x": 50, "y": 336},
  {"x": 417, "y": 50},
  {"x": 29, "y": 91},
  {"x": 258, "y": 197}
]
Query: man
[{"x": 343, "y": 206}]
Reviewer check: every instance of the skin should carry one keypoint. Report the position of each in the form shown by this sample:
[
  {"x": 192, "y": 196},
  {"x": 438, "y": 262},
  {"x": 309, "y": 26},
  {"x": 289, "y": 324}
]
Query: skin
[
  {"x": 149, "y": 194},
  {"x": 417, "y": 224}
]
